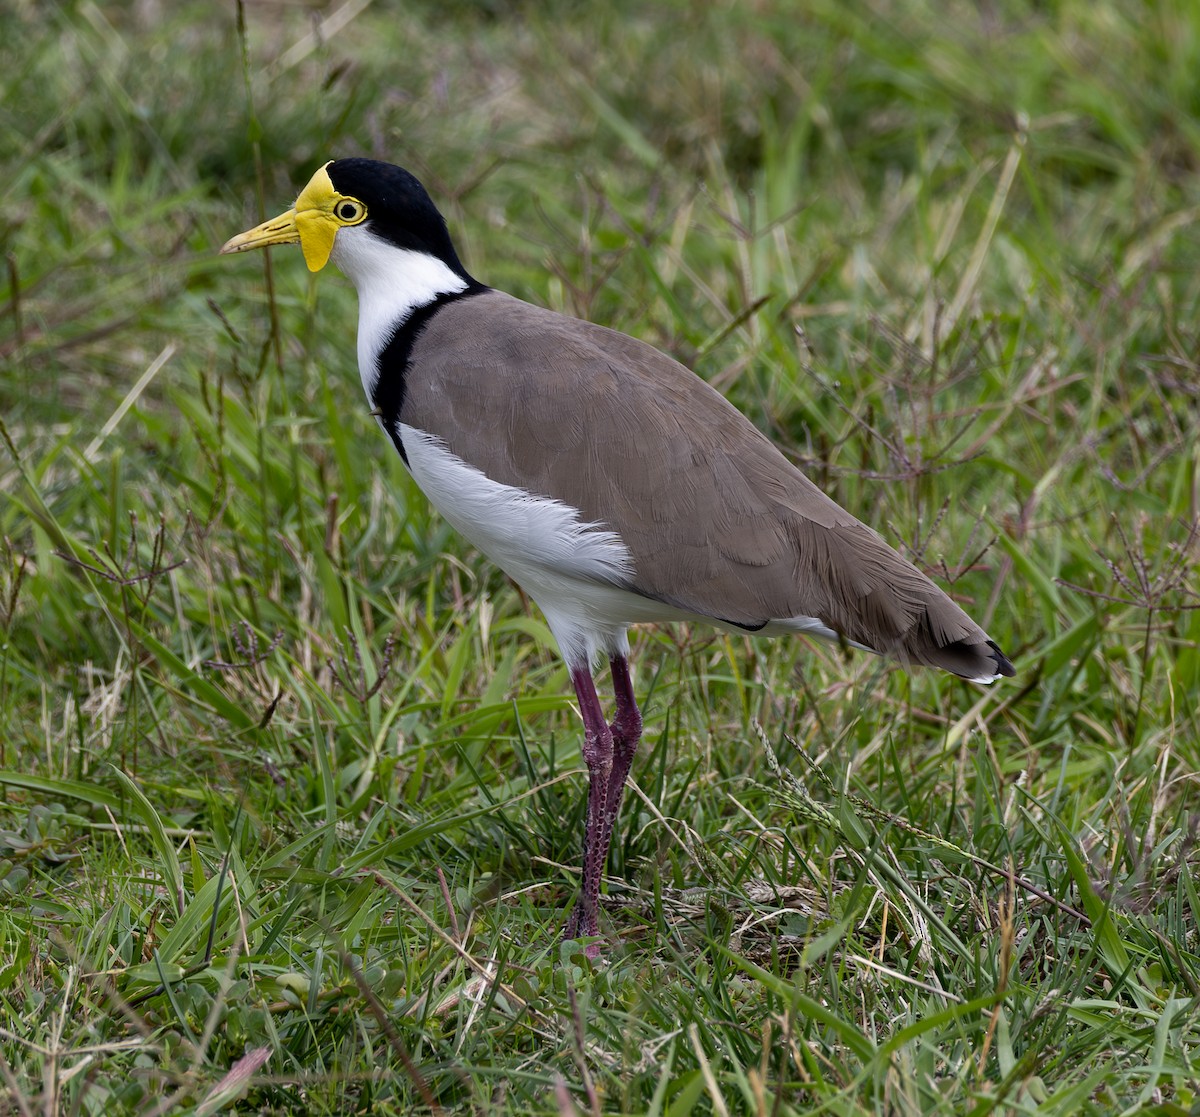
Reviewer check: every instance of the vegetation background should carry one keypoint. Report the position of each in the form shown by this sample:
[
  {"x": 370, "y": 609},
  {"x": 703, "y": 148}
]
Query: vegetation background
[{"x": 291, "y": 780}]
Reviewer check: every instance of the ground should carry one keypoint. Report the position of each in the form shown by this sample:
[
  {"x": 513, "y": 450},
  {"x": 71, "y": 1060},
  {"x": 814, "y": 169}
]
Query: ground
[{"x": 292, "y": 788}]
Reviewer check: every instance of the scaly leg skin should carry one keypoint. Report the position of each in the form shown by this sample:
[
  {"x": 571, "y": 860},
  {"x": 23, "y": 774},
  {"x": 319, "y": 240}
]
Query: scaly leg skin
[
  {"x": 608, "y": 751},
  {"x": 598, "y": 755},
  {"x": 627, "y": 732}
]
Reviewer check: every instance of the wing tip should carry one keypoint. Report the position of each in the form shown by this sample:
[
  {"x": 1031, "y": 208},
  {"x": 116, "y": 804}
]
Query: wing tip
[{"x": 1002, "y": 665}]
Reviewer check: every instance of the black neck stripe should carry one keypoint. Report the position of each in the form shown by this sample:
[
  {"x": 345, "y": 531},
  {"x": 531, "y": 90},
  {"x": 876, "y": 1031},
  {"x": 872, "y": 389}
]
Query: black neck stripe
[{"x": 391, "y": 366}]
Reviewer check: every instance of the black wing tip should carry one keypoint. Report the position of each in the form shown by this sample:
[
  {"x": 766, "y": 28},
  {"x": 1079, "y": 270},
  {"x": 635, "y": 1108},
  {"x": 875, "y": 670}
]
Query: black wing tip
[
  {"x": 976, "y": 661},
  {"x": 1004, "y": 665}
]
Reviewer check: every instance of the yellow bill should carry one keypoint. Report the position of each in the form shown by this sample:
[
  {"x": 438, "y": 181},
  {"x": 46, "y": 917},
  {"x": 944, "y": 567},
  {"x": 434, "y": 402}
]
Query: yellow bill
[
  {"x": 312, "y": 223},
  {"x": 279, "y": 230}
]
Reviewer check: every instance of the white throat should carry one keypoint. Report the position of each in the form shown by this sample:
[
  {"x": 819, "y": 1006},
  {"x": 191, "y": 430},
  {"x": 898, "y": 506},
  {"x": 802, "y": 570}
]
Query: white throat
[{"x": 391, "y": 283}]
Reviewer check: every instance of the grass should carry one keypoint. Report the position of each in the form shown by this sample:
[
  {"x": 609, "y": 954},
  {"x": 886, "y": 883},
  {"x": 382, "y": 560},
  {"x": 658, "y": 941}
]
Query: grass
[{"x": 292, "y": 790}]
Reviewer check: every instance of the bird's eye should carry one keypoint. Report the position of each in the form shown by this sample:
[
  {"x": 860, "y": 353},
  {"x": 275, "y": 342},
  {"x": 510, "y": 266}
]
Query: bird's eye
[{"x": 350, "y": 212}]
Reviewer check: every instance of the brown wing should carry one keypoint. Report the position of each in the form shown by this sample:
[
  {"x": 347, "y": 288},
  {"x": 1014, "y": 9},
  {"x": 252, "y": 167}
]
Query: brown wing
[{"x": 719, "y": 523}]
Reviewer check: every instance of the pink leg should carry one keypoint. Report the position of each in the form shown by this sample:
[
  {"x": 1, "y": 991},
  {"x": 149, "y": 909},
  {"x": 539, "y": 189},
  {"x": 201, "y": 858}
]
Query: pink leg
[
  {"x": 608, "y": 752},
  {"x": 598, "y": 755},
  {"x": 626, "y": 732}
]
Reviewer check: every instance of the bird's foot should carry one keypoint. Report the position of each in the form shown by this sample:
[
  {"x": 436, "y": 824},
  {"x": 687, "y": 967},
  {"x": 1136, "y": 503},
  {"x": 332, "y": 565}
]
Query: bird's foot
[{"x": 583, "y": 924}]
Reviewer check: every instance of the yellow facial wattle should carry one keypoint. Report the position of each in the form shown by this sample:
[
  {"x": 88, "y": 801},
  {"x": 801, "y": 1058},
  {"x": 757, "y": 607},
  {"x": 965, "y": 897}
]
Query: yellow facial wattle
[{"x": 313, "y": 222}]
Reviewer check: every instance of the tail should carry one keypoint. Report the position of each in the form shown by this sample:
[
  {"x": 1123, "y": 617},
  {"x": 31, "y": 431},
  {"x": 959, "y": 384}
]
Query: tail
[
  {"x": 978, "y": 660},
  {"x": 880, "y": 601}
]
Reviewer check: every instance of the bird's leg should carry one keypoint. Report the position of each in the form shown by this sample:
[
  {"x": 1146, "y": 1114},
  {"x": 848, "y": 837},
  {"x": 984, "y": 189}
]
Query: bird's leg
[
  {"x": 598, "y": 755},
  {"x": 626, "y": 732}
]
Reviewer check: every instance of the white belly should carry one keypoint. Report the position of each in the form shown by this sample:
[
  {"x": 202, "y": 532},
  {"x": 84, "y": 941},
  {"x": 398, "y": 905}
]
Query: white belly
[
  {"x": 576, "y": 571},
  {"x": 573, "y": 569}
]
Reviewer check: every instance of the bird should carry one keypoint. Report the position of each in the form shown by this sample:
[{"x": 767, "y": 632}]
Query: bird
[{"x": 613, "y": 484}]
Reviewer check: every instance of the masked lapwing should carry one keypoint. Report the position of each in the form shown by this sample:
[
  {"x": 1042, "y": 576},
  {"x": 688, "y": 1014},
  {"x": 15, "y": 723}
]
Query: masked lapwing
[{"x": 609, "y": 481}]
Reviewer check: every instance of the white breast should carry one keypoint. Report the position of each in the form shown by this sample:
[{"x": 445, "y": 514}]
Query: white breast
[{"x": 391, "y": 283}]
